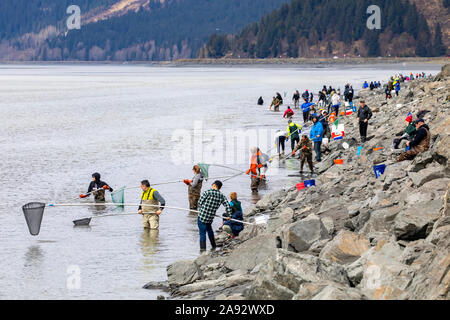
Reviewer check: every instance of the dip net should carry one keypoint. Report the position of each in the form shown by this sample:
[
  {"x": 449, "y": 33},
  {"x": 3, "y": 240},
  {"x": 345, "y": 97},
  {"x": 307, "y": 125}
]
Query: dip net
[
  {"x": 33, "y": 216},
  {"x": 204, "y": 169},
  {"x": 118, "y": 196}
]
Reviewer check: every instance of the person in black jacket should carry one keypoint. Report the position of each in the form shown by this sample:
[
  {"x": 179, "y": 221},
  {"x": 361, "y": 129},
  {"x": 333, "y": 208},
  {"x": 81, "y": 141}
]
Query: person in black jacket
[
  {"x": 97, "y": 187},
  {"x": 260, "y": 101},
  {"x": 364, "y": 115}
]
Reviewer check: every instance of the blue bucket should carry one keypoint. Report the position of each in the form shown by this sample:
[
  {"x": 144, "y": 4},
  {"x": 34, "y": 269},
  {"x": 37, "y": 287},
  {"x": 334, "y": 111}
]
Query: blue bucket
[
  {"x": 379, "y": 170},
  {"x": 310, "y": 183}
]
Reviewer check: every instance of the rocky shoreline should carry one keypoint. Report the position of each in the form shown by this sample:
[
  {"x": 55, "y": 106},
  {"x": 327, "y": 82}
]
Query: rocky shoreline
[{"x": 352, "y": 237}]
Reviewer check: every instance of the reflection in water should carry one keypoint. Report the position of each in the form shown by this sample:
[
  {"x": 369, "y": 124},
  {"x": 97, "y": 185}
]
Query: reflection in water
[
  {"x": 149, "y": 247},
  {"x": 34, "y": 256}
]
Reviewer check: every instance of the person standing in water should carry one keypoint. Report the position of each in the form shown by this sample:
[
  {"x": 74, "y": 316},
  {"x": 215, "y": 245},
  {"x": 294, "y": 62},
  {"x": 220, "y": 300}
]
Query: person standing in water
[
  {"x": 194, "y": 188},
  {"x": 152, "y": 205},
  {"x": 305, "y": 147},
  {"x": 208, "y": 205},
  {"x": 97, "y": 187}
]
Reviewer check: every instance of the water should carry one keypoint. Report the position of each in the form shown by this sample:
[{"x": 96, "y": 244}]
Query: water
[{"x": 59, "y": 124}]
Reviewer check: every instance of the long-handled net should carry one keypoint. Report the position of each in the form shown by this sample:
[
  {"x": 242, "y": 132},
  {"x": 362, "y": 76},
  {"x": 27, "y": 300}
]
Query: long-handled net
[
  {"x": 34, "y": 212},
  {"x": 118, "y": 196}
]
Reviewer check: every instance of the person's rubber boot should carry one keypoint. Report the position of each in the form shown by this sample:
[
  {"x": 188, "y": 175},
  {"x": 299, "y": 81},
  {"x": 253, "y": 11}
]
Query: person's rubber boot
[
  {"x": 202, "y": 246},
  {"x": 213, "y": 244}
]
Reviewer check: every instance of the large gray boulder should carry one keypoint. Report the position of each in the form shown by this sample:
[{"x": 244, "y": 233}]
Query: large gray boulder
[
  {"x": 328, "y": 291},
  {"x": 181, "y": 273},
  {"x": 251, "y": 253},
  {"x": 426, "y": 175},
  {"x": 346, "y": 247},
  {"x": 300, "y": 236},
  {"x": 417, "y": 222},
  {"x": 283, "y": 275}
]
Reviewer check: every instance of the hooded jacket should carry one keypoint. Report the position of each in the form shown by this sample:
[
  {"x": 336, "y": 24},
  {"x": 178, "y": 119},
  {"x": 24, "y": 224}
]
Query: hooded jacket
[
  {"x": 316, "y": 130},
  {"x": 97, "y": 184}
]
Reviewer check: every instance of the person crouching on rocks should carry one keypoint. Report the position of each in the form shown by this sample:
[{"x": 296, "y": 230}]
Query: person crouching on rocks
[
  {"x": 409, "y": 133},
  {"x": 233, "y": 228},
  {"x": 419, "y": 144},
  {"x": 208, "y": 205}
]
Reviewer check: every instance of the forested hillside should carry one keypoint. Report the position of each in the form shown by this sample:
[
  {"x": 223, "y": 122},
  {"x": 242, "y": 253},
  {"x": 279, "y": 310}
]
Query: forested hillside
[
  {"x": 163, "y": 30},
  {"x": 325, "y": 28}
]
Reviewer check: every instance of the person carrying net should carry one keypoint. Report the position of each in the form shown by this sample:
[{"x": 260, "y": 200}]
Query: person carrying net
[{"x": 97, "y": 187}]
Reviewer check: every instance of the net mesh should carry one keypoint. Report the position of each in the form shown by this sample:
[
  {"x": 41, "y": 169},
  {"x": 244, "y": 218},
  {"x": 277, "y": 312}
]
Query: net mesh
[
  {"x": 33, "y": 213},
  {"x": 204, "y": 169},
  {"x": 118, "y": 196}
]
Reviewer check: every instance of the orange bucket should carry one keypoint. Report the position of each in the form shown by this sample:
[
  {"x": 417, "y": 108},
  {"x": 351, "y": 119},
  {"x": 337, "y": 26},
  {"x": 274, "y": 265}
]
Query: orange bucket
[
  {"x": 342, "y": 113},
  {"x": 339, "y": 161}
]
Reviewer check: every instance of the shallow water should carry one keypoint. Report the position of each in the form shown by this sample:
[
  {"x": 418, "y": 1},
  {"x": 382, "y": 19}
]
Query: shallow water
[{"x": 59, "y": 124}]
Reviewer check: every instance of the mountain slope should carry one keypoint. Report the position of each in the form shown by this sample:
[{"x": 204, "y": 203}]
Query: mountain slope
[
  {"x": 136, "y": 30},
  {"x": 324, "y": 28}
]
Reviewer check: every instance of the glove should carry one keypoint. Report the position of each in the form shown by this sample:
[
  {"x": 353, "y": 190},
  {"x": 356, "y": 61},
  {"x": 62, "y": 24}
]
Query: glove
[
  {"x": 248, "y": 171},
  {"x": 293, "y": 153},
  {"x": 305, "y": 147},
  {"x": 105, "y": 187},
  {"x": 187, "y": 182},
  {"x": 82, "y": 196}
]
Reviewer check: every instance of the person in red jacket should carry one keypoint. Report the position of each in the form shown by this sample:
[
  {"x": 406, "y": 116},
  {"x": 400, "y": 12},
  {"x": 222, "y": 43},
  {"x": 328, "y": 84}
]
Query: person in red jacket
[{"x": 289, "y": 113}]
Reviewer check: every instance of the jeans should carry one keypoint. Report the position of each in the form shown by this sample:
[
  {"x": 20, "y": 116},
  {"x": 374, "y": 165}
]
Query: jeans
[
  {"x": 363, "y": 129},
  {"x": 280, "y": 144},
  {"x": 203, "y": 228},
  {"x": 317, "y": 145}
]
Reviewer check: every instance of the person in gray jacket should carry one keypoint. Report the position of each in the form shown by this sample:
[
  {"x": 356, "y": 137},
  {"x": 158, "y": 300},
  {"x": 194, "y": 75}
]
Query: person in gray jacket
[{"x": 194, "y": 189}]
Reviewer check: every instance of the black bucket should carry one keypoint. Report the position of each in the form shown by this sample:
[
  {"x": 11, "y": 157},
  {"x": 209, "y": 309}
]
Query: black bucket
[
  {"x": 82, "y": 222},
  {"x": 34, "y": 212}
]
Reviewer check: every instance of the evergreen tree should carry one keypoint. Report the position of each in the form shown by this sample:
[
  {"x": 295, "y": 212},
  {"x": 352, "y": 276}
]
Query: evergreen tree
[{"x": 439, "y": 49}]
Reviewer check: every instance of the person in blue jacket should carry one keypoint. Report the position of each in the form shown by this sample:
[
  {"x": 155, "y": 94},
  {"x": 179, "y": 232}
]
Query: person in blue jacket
[
  {"x": 365, "y": 85},
  {"x": 397, "y": 88},
  {"x": 306, "y": 108},
  {"x": 233, "y": 228},
  {"x": 316, "y": 135}
]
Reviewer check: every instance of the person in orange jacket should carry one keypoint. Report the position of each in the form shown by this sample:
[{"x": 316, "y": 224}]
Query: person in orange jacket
[{"x": 258, "y": 163}]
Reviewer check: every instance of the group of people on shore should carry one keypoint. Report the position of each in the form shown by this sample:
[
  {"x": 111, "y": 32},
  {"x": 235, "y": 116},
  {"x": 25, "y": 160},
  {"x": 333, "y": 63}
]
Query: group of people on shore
[{"x": 417, "y": 135}]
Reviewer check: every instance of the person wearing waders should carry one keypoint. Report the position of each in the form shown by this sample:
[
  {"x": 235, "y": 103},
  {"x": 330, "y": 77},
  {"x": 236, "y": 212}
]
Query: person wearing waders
[
  {"x": 97, "y": 187},
  {"x": 305, "y": 147},
  {"x": 152, "y": 205},
  {"x": 296, "y": 99},
  {"x": 208, "y": 205},
  {"x": 364, "y": 115},
  {"x": 194, "y": 188},
  {"x": 293, "y": 131},
  {"x": 258, "y": 161}
]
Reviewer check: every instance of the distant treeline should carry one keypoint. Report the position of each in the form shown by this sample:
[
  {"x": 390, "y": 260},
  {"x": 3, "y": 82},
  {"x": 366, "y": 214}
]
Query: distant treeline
[{"x": 324, "y": 28}]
